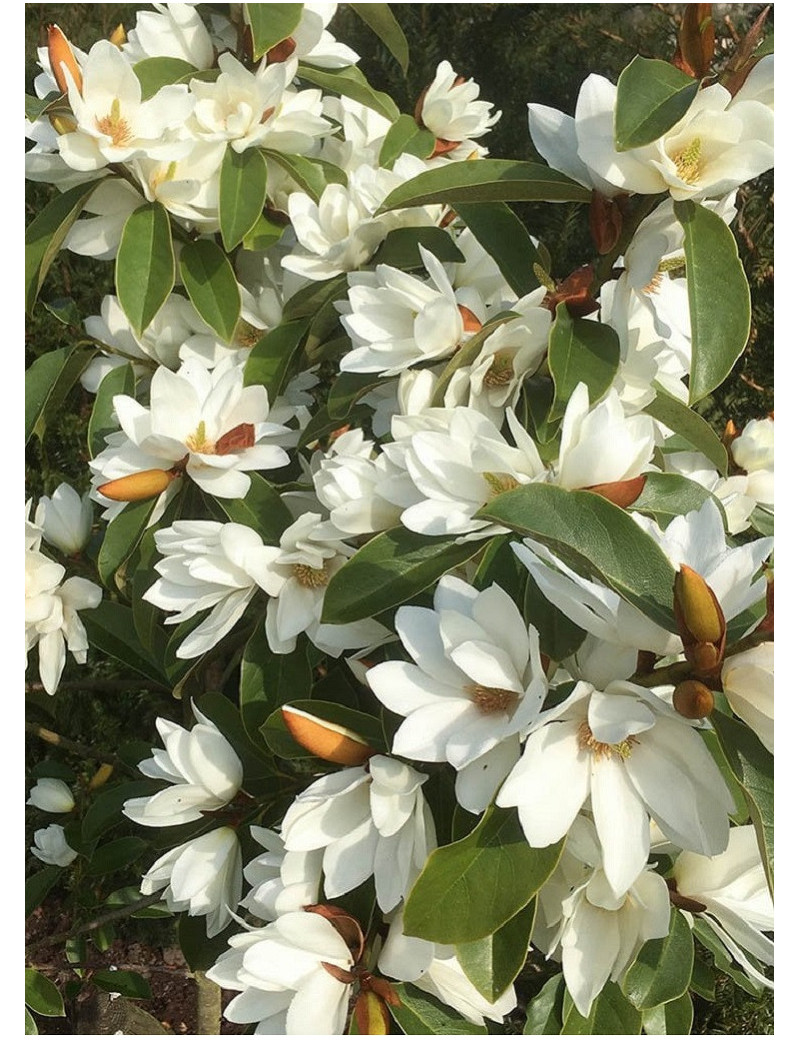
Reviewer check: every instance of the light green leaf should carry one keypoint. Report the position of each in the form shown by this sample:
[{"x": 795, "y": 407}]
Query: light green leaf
[
  {"x": 261, "y": 508},
  {"x": 212, "y": 286},
  {"x": 45, "y": 235},
  {"x": 543, "y": 1017},
  {"x": 420, "y": 1014},
  {"x": 38, "y": 885},
  {"x": 35, "y": 106},
  {"x": 115, "y": 855},
  {"x": 48, "y": 381},
  {"x": 155, "y": 73},
  {"x": 672, "y": 1019},
  {"x": 263, "y": 234},
  {"x": 383, "y": 23},
  {"x": 763, "y": 521},
  {"x": 127, "y": 983},
  {"x": 466, "y": 355},
  {"x": 242, "y": 193},
  {"x": 489, "y": 180},
  {"x": 470, "y": 889},
  {"x": 594, "y": 537},
  {"x": 503, "y": 235},
  {"x": 30, "y": 1025},
  {"x": 350, "y": 82},
  {"x": 41, "y": 995},
  {"x": 580, "y": 351},
  {"x": 663, "y": 967},
  {"x": 723, "y": 961},
  {"x": 666, "y": 495},
  {"x": 719, "y": 297},
  {"x": 65, "y": 310},
  {"x": 405, "y": 135},
  {"x": 103, "y": 420},
  {"x": 689, "y": 425},
  {"x": 387, "y": 571},
  {"x": 610, "y": 1014},
  {"x": 144, "y": 272},
  {"x": 652, "y": 96},
  {"x": 311, "y": 175},
  {"x": 400, "y": 249},
  {"x": 271, "y": 24},
  {"x": 754, "y": 768},
  {"x": 491, "y": 964},
  {"x": 122, "y": 535},
  {"x": 269, "y": 363}
]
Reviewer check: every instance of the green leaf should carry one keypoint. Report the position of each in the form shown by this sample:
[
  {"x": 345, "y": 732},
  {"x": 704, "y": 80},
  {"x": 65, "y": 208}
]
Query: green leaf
[
  {"x": 109, "y": 627},
  {"x": 669, "y": 495},
  {"x": 270, "y": 24},
  {"x": 38, "y": 885},
  {"x": 703, "y": 981},
  {"x": 347, "y": 388},
  {"x": 242, "y": 193},
  {"x": 610, "y": 1014},
  {"x": 401, "y": 247},
  {"x": 48, "y": 381},
  {"x": 350, "y": 82},
  {"x": 652, "y": 96},
  {"x": 261, "y": 508},
  {"x": 663, "y": 967},
  {"x": 228, "y": 720},
  {"x": 147, "y": 618},
  {"x": 312, "y": 298},
  {"x": 594, "y": 537},
  {"x": 266, "y": 677},
  {"x": 45, "y": 235},
  {"x": 212, "y": 286},
  {"x": 103, "y": 420},
  {"x": 503, "y": 235},
  {"x": 129, "y": 895},
  {"x": 767, "y": 46},
  {"x": 115, "y": 855},
  {"x": 763, "y": 521},
  {"x": 491, "y": 964},
  {"x": 580, "y": 351},
  {"x": 383, "y": 23},
  {"x": 489, "y": 180},
  {"x": 558, "y": 636},
  {"x": 420, "y": 1014},
  {"x": 127, "y": 983},
  {"x": 387, "y": 571},
  {"x": 723, "y": 961},
  {"x": 404, "y": 135},
  {"x": 65, "y": 310},
  {"x": 543, "y": 1016},
  {"x": 466, "y": 355},
  {"x": 145, "y": 267},
  {"x": 263, "y": 234},
  {"x": 269, "y": 363},
  {"x": 155, "y": 73},
  {"x": 282, "y": 743},
  {"x": 199, "y": 951},
  {"x": 42, "y": 996},
  {"x": 35, "y": 106},
  {"x": 470, "y": 889},
  {"x": 672, "y": 1019},
  {"x": 30, "y": 1025},
  {"x": 122, "y": 535},
  {"x": 753, "y": 766},
  {"x": 689, "y": 425},
  {"x": 105, "y": 810},
  {"x": 312, "y": 175},
  {"x": 719, "y": 297}
]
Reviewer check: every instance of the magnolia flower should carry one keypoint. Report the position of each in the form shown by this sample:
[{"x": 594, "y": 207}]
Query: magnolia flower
[
  {"x": 730, "y": 492},
  {"x": 476, "y": 682},
  {"x": 450, "y": 109},
  {"x": 51, "y": 846},
  {"x": 281, "y": 881},
  {"x": 200, "y": 765},
  {"x": 633, "y": 757},
  {"x": 313, "y": 44},
  {"x": 51, "y": 795},
  {"x": 371, "y": 821},
  {"x": 65, "y": 519},
  {"x": 732, "y": 890},
  {"x": 748, "y": 681},
  {"x": 203, "y": 876},
  {"x": 754, "y": 452},
  {"x": 171, "y": 31}
]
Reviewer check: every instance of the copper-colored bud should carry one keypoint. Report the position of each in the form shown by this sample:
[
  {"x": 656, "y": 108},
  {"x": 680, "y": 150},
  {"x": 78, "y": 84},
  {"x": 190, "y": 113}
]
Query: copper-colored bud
[
  {"x": 470, "y": 321},
  {"x": 372, "y": 1015},
  {"x": 61, "y": 56},
  {"x": 326, "y": 739},
  {"x": 693, "y": 699},
  {"x": 281, "y": 51},
  {"x": 605, "y": 222},
  {"x": 697, "y": 608},
  {"x": 118, "y": 36},
  {"x": 705, "y": 658},
  {"x": 622, "y": 493},
  {"x": 138, "y": 486}
]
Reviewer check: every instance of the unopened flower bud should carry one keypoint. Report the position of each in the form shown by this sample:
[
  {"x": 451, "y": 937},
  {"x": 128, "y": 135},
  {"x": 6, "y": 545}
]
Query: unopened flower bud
[
  {"x": 693, "y": 699},
  {"x": 622, "y": 493},
  {"x": 138, "y": 486},
  {"x": 118, "y": 36},
  {"x": 51, "y": 795},
  {"x": 61, "y": 57},
  {"x": 372, "y": 1015},
  {"x": 63, "y": 124},
  {"x": 325, "y": 739},
  {"x": 697, "y": 608},
  {"x": 65, "y": 519}
]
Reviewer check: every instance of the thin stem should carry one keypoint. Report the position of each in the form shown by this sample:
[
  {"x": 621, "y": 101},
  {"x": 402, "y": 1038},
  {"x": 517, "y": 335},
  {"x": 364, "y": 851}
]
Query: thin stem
[
  {"x": 102, "y": 685},
  {"x": 76, "y": 748},
  {"x": 673, "y": 673},
  {"x": 98, "y": 922}
]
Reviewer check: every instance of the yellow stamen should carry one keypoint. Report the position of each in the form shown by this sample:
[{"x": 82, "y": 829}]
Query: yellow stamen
[
  {"x": 654, "y": 285},
  {"x": 198, "y": 441},
  {"x": 310, "y": 577},
  {"x": 489, "y": 700},
  {"x": 588, "y": 742},
  {"x": 114, "y": 126},
  {"x": 500, "y": 482},
  {"x": 501, "y": 372},
  {"x": 687, "y": 162}
]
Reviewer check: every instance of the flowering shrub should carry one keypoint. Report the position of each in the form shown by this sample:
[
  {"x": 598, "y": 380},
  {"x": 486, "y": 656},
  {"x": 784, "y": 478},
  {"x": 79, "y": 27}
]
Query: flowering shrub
[{"x": 469, "y": 609}]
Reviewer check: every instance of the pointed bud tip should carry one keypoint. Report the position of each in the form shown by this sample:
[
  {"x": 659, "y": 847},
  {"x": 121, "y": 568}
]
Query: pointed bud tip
[
  {"x": 693, "y": 699},
  {"x": 325, "y": 739},
  {"x": 697, "y": 608},
  {"x": 138, "y": 486},
  {"x": 61, "y": 56}
]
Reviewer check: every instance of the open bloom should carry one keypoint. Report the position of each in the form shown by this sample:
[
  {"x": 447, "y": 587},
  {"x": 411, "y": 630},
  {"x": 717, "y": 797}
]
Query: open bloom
[
  {"x": 754, "y": 451},
  {"x": 748, "y": 680},
  {"x": 50, "y": 846},
  {"x": 200, "y": 765},
  {"x": 281, "y": 881},
  {"x": 51, "y": 795},
  {"x": 450, "y": 109}
]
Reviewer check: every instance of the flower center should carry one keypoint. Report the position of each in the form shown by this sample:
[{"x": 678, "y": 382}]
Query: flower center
[
  {"x": 687, "y": 162},
  {"x": 114, "y": 126},
  {"x": 310, "y": 577},
  {"x": 654, "y": 285},
  {"x": 588, "y": 742},
  {"x": 489, "y": 700},
  {"x": 501, "y": 373},
  {"x": 500, "y": 482},
  {"x": 198, "y": 441}
]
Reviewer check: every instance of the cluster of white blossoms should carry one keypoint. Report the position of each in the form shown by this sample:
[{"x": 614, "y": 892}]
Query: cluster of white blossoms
[{"x": 352, "y": 373}]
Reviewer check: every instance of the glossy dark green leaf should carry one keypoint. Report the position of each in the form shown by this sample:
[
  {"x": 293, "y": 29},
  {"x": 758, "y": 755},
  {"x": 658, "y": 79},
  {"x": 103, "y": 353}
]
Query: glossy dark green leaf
[
  {"x": 312, "y": 298},
  {"x": 105, "y": 810},
  {"x": 543, "y": 1015},
  {"x": 242, "y": 193},
  {"x": 672, "y": 1019},
  {"x": 610, "y": 1014},
  {"x": 261, "y": 508},
  {"x": 41, "y": 995},
  {"x": 38, "y": 885},
  {"x": 490, "y": 180},
  {"x": 127, "y": 983},
  {"x": 45, "y": 235},
  {"x": 703, "y": 981},
  {"x": 35, "y": 106},
  {"x": 65, "y": 310},
  {"x": 144, "y": 273},
  {"x": 121, "y": 537},
  {"x": 109, "y": 627},
  {"x": 670, "y": 494},
  {"x": 719, "y": 297},
  {"x": 281, "y": 742},
  {"x": 269, "y": 363},
  {"x": 420, "y": 1014},
  {"x": 401, "y": 247},
  {"x": 652, "y": 96},
  {"x": 503, "y": 235},
  {"x": 147, "y": 618},
  {"x": 722, "y": 958},
  {"x": 405, "y": 135},
  {"x": 270, "y": 24},
  {"x": 580, "y": 351},
  {"x": 383, "y": 23},
  {"x": 491, "y": 964},
  {"x": 103, "y": 420},
  {"x": 155, "y": 73},
  {"x": 595, "y": 538},
  {"x": 115, "y": 855},
  {"x": 198, "y": 950},
  {"x": 350, "y": 82},
  {"x": 346, "y": 390},
  {"x": 470, "y": 889},
  {"x": 263, "y": 234},
  {"x": 226, "y": 717},
  {"x": 267, "y": 679},
  {"x": 128, "y": 896},
  {"x": 754, "y": 768},
  {"x": 663, "y": 967},
  {"x": 311, "y": 176},
  {"x": 559, "y": 637},
  {"x": 691, "y": 426},
  {"x": 387, "y": 571},
  {"x": 48, "y": 381},
  {"x": 212, "y": 286}
]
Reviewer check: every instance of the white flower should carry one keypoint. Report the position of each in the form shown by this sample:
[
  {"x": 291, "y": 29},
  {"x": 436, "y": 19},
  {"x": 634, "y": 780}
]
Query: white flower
[
  {"x": 51, "y": 795},
  {"x": 200, "y": 765},
  {"x": 730, "y": 492},
  {"x": 371, "y": 821},
  {"x": 451, "y": 110},
  {"x": 748, "y": 681},
  {"x": 203, "y": 876},
  {"x": 754, "y": 451},
  {"x": 281, "y": 881},
  {"x": 51, "y": 846},
  {"x": 733, "y": 890},
  {"x": 314, "y": 44},
  {"x": 633, "y": 757},
  {"x": 175, "y": 31},
  {"x": 65, "y": 519}
]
